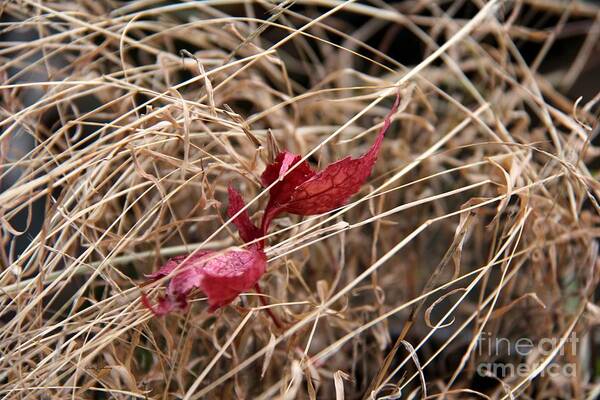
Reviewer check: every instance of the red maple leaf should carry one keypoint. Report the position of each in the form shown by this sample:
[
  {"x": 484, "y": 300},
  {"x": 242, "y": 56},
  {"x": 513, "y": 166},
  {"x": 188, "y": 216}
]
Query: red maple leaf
[
  {"x": 303, "y": 191},
  {"x": 220, "y": 276}
]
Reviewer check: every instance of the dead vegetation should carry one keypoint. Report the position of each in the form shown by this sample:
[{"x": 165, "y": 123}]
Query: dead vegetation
[{"x": 123, "y": 124}]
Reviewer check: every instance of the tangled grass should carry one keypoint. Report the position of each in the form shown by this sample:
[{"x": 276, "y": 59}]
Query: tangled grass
[{"x": 122, "y": 125}]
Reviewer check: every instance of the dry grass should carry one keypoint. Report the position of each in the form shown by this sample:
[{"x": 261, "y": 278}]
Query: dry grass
[{"x": 480, "y": 219}]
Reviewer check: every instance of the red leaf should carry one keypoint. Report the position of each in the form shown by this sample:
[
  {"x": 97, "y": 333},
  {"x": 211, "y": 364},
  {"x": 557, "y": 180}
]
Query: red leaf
[
  {"x": 304, "y": 192},
  {"x": 248, "y": 231},
  {"x": 222, "y": 277}
]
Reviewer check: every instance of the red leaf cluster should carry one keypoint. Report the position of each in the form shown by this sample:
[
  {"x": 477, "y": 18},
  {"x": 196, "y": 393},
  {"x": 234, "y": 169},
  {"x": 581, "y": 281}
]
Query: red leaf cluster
[{"x": 222, "y": 276}]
